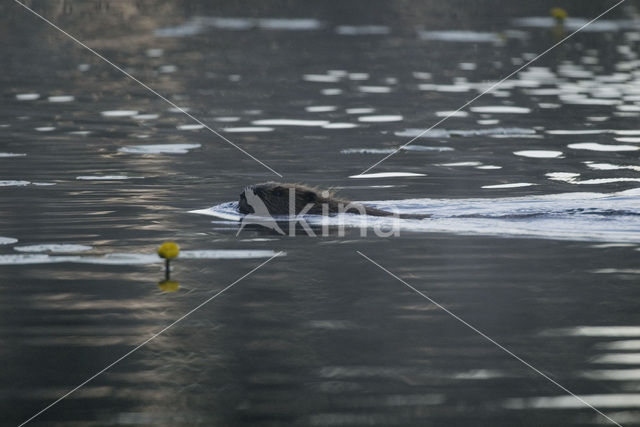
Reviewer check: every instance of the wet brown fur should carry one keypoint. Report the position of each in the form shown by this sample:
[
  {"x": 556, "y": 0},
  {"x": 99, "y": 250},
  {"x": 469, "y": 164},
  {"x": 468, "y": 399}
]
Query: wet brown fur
[{"x": 275, "y": 196}]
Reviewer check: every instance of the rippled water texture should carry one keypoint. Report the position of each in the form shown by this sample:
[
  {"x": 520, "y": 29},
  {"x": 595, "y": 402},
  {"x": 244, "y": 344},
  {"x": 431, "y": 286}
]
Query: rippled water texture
[{"x": 532, "y": 192}]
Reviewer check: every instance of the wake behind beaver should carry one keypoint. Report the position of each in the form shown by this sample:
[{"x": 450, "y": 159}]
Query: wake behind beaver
[{"x": 580, "y": 216}]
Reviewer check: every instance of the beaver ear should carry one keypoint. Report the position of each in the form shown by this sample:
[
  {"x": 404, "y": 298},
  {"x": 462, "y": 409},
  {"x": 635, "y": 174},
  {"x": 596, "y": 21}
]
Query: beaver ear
[{"x": 310, "y": 197}]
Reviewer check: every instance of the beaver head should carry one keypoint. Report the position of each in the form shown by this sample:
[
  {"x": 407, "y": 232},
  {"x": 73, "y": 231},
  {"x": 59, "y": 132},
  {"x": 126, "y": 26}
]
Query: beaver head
[{"x": 276, "y": 197}]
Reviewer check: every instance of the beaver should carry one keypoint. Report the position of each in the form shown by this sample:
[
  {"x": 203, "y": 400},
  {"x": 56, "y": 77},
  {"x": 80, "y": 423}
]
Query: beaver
[{"x": 273, "y": 198}]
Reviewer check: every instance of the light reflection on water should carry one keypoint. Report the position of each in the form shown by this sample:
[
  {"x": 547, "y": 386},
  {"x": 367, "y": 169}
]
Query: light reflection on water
[{"x": 89, "y": 160}]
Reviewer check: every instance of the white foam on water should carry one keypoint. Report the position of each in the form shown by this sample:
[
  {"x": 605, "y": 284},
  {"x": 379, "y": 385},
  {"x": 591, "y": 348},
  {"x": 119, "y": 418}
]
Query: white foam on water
[
  {"x": 414, "y": 147},
  {"x": 456, "y": 88},
  {"x": 501, "y": 109},
  {"x": 27, "y": 96},
  {"x": 510, "y": 185},
  {"x": 457, "y": 164},
  {"x": 579, "y": 99},
  {"x": 248, "y": 129},
  {"x": 562, "y": 176},
  {"x": 154, "y": 52},
  {"x": 361, "y": 30},
  {"x": 549, "y": 105},
  {"x": 338, "y": 125},
  {"x": 53, "y": 247},
  {"x": 618, "y": 359},
  {"x": 594, "y": 146},
  {"x": 102, "y": 177},
  {"x": 289, "y": 122},
  {"x": 331, "y": 91},
  {"x": 576, "y": 131},
  {"x": 596, "y": 331},
  {"x": 190, "y": 127},
  {"x": 146, "y": 116},
  {"x": 574, "y": 23},
  {"x": 605, "y": 181},
  {"x": 200, "y": 24},
  {"x": 22, "y": 259},
  {"x": 7, "y": 240},
  {"x": 452, "y": 113},
  {"x": 374, "y": 89},
  {"x": 368, "y": 151},
  {"x": 226, "y": 254},
  {"x": 360, "y": 110},
  {"x": 225, "y": 23},
  {"x": 341, "y": 73},
  {"x": 480, "y": 374},
  {"x": 61, "y": 98},
  {"x": 320, "y": 108},
  {"x": 227, "y": 119},
  {"x": 159, "y": 148},
  {"x": 321, "y": 78},
  {"x": 358, "y": 76},
  {"x": 444, "y": 133},
  {"x": 227, "y": 211},
  {"x": 467, "y": 66},
  {"x": 168, "y": 68},
  {"x": 612, "y": 374},
  {"x": 572, "y": 178},
  {"x": 460, "y": 36},
  {"x": 178, "y": 110},
  {"x": 609, "y": 166},
  {"x": 132, "y": 258},
  {"x": 45, "y": 128},
  {"x": 539, "y": 154},
  {"x": 621, "y": 345},
  {"x": 119, "y": 113},
  {"x": 380, "y": 119},
  {"x": 617, "y": 270},
  {"x": 296, "y": 24},
  {"x": 386, "y": 175},
  {"x": 12, "y": 154},
  {"x": 629, "y": 400},
  {"x": 13, "y": 183},
  {"x": 421, "y": 75},
  {"x": 634, "y": 140},
  {"x": 631, "y": 108},
  {"x": 613, "y": 245}
]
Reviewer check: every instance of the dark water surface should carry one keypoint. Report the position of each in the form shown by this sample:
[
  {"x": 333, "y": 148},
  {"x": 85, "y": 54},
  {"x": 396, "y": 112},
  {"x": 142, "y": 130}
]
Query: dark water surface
[{"x": 533, "y": 190}]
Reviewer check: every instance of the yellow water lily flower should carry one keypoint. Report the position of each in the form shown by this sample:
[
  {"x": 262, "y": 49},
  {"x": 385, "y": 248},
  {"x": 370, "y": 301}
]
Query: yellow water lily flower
[
  {"x": 559, "y": 13},
  {"x": 168, "y": 250}
]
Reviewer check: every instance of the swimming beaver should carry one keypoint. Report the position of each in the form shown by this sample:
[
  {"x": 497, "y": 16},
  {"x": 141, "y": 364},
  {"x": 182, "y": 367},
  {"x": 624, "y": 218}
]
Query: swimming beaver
[{"x": 275, "y": 197}]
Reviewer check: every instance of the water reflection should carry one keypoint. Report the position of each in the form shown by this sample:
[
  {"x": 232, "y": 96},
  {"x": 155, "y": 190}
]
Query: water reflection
[
  {"x": 564, "y": 402},
  {"x": 320, "y": 90},
  {"x": 168, "y": 285}
]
